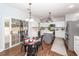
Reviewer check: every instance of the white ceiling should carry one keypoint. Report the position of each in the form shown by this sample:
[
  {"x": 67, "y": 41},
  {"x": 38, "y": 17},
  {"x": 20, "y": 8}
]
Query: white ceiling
[{"x": 41, "y": 10}]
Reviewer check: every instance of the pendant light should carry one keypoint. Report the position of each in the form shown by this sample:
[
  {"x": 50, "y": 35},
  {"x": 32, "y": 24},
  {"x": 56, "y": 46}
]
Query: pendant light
[
  {"x": 49, "y": 19},
  {"x": 30, "y": 19}
]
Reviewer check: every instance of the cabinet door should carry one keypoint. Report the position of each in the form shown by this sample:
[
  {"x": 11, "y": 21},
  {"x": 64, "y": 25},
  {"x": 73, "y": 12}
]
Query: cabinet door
[
  {"x": 25, "y": 25},
  {"x": 76, "y": 45},
  {"x": 15, "y": 28},
  {"x": 7, "y": 32},
  {"x": 23, "y": 29}
]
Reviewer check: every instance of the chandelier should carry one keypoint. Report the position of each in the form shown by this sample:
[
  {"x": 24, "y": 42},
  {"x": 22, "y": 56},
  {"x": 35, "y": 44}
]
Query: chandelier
[{"x": 49, "y": 18}]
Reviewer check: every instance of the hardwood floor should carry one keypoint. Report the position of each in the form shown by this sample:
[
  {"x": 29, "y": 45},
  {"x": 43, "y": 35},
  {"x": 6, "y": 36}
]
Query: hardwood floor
[
  {"x": 15, "y": 51},
  {"x": 70, "y": 53},
  {"x": 46, "y": 51}
]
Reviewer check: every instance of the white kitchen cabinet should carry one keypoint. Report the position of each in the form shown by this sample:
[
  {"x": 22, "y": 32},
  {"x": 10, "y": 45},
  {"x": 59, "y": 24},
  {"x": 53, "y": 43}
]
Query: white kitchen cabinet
[
  {"x": 60, "y": 33},
  {"x": 6, "y": 29},
  {"x": 33, "y": 29},
  {"x": 60, "y": 24},
  {"x": 57, "y": 24},
  {"x": 76, "y": 44}
]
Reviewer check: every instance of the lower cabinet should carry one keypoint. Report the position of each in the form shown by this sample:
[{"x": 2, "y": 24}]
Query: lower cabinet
[{"x": 76, "y": 44}]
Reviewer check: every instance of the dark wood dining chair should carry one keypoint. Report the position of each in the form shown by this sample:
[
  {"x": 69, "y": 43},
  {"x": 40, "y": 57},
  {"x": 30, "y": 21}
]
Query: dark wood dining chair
[
  {"x": 42, "y": 41},
  {"x": 31, "y": 50}
]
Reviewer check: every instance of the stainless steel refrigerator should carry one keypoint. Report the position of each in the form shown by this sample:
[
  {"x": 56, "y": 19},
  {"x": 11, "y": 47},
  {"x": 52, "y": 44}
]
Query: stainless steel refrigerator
[{"x": 72, "y": 29}]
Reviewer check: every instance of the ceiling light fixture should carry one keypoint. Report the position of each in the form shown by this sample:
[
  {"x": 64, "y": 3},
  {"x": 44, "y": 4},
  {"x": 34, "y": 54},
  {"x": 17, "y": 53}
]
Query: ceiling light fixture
[
  {"x": 49, "y": 19},
  {"x": 30, "y": 19}
]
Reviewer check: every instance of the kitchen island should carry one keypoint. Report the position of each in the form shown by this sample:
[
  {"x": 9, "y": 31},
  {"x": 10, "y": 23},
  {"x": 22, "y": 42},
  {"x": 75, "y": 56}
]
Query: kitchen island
[{"x": 48, "y": 37}]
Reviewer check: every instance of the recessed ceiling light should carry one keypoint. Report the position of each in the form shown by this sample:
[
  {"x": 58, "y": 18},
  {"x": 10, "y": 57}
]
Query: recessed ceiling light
[{"x": 71, "y": 6}]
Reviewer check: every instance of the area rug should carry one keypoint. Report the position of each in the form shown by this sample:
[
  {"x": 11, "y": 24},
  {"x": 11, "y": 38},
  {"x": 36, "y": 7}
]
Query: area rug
[{"x": 59, "y": 47}]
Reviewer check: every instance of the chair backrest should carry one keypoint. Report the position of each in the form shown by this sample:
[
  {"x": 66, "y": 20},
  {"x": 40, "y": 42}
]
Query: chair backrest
[
  {"x": 37, "y": 38},
  {"x": 42, "y": 38},
  {"x": 31, "y": 48}
]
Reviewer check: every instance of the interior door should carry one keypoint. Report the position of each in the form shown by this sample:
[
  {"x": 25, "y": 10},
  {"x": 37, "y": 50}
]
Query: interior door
[{"x": 15, "y": 28}]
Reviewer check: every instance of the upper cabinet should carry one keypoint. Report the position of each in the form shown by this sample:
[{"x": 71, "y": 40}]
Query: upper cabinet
[
  {"x": 72, "y": 17},
  {"x": 57, "y": 24},
  {"x": 44, "y": 24},
  {"x": 60, "y": 24}
]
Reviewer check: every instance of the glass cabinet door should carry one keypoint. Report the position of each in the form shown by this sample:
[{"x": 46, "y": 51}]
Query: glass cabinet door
[
  {"x": 15, "y": 28},
  {"x": 25, "y": 26},
  {"x": 7, "y": 32},
  {"x": 23, "y": 29}
]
